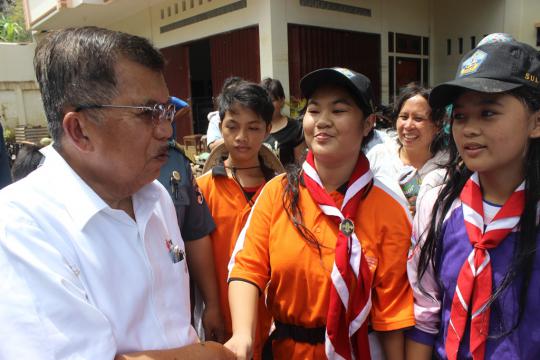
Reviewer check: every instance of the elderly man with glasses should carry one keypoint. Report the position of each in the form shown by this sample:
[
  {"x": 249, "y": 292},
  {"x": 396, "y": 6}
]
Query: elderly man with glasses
[{"x": 91, "y": 257}]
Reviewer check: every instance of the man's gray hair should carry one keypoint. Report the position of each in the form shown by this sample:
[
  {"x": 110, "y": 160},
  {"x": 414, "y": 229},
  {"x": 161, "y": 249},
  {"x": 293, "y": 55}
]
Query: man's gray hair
[{"x": 76, "y": 66}]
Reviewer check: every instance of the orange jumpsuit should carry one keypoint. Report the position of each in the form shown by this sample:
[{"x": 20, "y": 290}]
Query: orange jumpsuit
[
  {"x": 230, "y": 209},
  {"x": 275, "y": 257}
]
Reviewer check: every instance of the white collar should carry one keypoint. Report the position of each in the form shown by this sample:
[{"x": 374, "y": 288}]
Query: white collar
[{"x": 80, "y": 200}]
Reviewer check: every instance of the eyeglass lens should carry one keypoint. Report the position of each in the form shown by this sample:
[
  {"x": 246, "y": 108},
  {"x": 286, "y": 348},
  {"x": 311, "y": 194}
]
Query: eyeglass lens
[{"x": 163, "y": 113}]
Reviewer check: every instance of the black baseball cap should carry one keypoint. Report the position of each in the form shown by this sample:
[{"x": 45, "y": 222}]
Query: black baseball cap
[
  {"x": 358, "y": 84},
  {"x": 492, "y": 67}
]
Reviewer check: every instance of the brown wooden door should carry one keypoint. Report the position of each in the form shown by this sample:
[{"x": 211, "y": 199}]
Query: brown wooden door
[
  {"x": 235, "y": 53},
  {"x": 311, "y": 48},
  {"x": 407, "y": 70}
]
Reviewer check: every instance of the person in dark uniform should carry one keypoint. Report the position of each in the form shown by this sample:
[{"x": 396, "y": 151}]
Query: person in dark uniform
[
  {"x": 195, "y": 224},
  {"x": 5, "y": 174}
]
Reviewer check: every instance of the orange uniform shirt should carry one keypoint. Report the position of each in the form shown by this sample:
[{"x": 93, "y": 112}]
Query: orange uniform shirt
[
  {"x": 230, "y": 209},
  {"x": 272, "y": 255}
]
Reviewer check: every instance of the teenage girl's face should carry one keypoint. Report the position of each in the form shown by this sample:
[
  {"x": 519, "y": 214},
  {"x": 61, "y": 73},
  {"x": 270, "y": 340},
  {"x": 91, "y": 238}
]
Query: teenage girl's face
[
  {"x": 334, "y": 125},
  {"x": 492, "y": 132},
  {"x": 414, "y": 126},
  {"x": 243, "y": 134}
]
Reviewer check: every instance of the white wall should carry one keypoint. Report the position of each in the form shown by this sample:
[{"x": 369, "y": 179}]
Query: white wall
[
  {"x": 20, "y": 100},
  {"x": 245, "y": 17},
  {"x": 139, "y": 24},
  {"x": 272, "y": 16},
  {"x": 411, "y": 17},
  {"x": 438, "y": 19},
  {"x": 462, "y": 18},
  {"x": 521, "y": 17},
  {"x": 16, "y": 62},
  {"x": 20, "y": 104}
]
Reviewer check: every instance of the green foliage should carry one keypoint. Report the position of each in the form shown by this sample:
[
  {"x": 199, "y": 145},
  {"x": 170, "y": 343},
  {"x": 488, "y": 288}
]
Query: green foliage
[
  {"x": 296, "y": 106},
  {"x": 12, "y": 27},
  {"x": 9, "y": 135}
]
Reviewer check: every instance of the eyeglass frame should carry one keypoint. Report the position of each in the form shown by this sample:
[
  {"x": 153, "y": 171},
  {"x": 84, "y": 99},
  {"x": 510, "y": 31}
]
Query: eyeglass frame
[{"x": 166, "y": 111}]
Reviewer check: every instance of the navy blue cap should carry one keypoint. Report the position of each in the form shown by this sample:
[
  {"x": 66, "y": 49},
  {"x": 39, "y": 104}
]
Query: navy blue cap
[
  {"x": 492, "y": 67},
  {"x": 357, "y": 83}
]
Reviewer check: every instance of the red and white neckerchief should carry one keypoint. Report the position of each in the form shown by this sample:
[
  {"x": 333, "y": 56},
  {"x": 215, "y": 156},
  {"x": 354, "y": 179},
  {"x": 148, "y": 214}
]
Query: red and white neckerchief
[
  {"x": 474, "y": 283},
  {"x": 350, "y": 293}
]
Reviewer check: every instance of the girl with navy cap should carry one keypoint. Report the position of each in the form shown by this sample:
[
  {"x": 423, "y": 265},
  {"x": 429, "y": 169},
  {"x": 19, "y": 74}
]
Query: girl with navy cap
[
  {"x": 475, "y": 271},
  {"x": 327, "y": 242}
]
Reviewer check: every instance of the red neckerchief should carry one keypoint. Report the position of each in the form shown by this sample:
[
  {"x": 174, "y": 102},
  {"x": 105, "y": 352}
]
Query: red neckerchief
[
  {"x": 350, "y": 293},
  {"x": 474, "y": 283}
]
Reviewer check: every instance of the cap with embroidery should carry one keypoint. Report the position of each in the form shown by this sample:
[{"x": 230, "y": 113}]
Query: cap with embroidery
[
  {"x": 498, "y": 64},
  {"x": 357, "y": 83}
]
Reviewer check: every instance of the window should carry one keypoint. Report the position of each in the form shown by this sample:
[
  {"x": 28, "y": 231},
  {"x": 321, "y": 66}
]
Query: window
[
  {"x": 448, "y": 46},
  {"x": 391, "y": 78},
  {"x": 390, "y": 42},
  {"x": 460, "y": 45},
  {"x": 425, "y": 46},
  {"x": 408, "y": 44},
  {"x": 425, "y": 72},
  {"x": 473, "y": 42}
]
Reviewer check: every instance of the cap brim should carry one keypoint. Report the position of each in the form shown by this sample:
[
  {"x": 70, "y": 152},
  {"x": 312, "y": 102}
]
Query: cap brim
[
  {"x": 446, "y": 93},
  {"x": 313, "y": 80},
  {"x": 329, "y": 76}
]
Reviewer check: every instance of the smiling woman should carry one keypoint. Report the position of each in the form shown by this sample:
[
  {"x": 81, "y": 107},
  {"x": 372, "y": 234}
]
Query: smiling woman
[{"x": 418, "y": 148}]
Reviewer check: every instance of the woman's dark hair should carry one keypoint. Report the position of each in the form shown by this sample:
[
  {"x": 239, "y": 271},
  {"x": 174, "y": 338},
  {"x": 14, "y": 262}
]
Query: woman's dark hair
[
  {"x": 437, "y": 115},
  {"x": 274, "y": 88},
  {"x": 291, "y": 198},
  {"x": 525, "y": 245},
  {"x": 248, "y": 95},
  {"x": 28, "y": 159}
]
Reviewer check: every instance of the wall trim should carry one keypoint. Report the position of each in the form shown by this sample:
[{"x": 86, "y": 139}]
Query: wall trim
[
  {"x": 241, "y": 4},
  {"x": 333, "y": 6}
]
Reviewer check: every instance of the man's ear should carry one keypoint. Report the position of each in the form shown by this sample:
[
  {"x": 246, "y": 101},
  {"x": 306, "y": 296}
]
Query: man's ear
[
  {"x": 268, "y": 128},
  {"x": 535, "y": 132},
  {"x": 369, "y": 123},
  {"x": 76, "y": 131}
]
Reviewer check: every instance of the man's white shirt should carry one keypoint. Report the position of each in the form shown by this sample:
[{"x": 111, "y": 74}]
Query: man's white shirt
[{"x": 81, "y": 280}]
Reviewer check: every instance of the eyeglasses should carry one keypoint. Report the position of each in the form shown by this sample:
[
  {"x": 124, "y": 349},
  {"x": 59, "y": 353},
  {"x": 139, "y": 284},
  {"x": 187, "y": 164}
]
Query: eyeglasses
[{"x": 158, "y": 113}]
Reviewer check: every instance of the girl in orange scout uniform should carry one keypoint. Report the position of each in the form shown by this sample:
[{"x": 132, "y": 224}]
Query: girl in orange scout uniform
[
  {"x": 231, "y": 186},
  {"x": 328, "y": 242}
]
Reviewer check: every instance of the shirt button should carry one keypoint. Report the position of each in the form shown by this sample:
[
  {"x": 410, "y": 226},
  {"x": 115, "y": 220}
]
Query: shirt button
[{"x": 317, "y": 229}]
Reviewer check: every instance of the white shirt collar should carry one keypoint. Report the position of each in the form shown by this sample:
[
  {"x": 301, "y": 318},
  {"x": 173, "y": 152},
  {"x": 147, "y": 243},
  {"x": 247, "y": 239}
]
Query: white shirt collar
[{"x": 81, "y": 201}]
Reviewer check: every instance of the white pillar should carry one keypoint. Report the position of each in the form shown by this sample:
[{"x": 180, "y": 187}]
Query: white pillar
[
  {"x": 21, "y": 111},
  {"x": 273, "y": 42}
]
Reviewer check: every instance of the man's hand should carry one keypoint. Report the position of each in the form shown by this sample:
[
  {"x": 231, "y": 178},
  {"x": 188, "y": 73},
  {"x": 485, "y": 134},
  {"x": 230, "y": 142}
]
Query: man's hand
[
  {"x": 214, "y": 327},
  {"x": 241, "y": 346}
]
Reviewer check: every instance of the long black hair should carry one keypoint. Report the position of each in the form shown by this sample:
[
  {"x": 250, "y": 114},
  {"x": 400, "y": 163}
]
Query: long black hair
[{"x": 525, "y": 246}]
